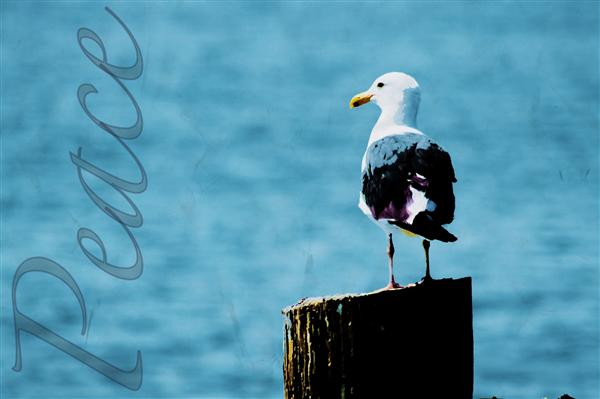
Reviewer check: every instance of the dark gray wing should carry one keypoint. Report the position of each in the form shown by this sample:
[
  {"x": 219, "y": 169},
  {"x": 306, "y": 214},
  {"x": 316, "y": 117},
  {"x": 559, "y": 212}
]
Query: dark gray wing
[
  {"x": 432, "y": 162},
  {"x": 396, "y": 163},
  {"x": 386, "y": 175}
]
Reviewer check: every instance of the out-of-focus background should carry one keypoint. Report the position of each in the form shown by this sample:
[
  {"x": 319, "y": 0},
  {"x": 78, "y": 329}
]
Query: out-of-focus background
[{"x": 253, "y": 159}]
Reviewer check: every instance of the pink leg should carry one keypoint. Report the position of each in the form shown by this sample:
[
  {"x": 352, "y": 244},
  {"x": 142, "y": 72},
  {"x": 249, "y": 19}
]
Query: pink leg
[
  {"x": 390, "y": 251},
  {"x": 427, "y": 274}
]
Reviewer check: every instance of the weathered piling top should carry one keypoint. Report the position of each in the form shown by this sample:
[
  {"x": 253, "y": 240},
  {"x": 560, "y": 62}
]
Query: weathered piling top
[{"x": 411, "y": 342}]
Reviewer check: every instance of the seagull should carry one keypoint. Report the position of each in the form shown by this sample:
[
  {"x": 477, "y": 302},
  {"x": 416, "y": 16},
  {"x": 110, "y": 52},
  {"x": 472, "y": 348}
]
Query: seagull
[{"x": 407, "y": 177}]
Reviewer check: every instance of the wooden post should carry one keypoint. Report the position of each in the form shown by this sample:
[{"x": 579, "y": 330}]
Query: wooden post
[{"x": 415, "y": 342}]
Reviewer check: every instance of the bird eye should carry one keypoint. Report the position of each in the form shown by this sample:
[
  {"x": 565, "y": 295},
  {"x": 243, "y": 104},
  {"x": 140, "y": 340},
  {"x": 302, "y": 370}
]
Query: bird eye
[{"x": 379, "y": 84}]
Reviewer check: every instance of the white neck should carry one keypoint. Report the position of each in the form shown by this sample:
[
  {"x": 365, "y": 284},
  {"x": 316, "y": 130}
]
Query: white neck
[
  {"x": 401, "y": 120},
  {"x": 400, "y": 116}
]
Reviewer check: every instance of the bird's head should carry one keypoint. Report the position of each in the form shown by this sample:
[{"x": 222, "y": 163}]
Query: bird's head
[{"x": 393, "y": 91}]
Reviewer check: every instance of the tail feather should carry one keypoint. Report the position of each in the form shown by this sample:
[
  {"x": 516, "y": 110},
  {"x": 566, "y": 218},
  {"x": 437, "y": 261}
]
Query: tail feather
[{"x": 426, "y": 227}]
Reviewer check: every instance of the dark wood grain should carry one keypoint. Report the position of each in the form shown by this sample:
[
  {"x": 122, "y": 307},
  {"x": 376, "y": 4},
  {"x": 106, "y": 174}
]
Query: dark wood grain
[{"x": 415, "y": 342}]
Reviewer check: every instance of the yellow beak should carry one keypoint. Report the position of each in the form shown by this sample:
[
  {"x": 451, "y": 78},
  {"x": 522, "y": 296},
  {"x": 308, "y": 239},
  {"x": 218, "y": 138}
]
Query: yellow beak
[{"x": 360, "y": 99}]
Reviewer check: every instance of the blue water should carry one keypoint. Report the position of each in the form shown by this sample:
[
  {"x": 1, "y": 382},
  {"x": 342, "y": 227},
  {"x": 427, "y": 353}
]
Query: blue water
[{"x": 253, "y": 159}]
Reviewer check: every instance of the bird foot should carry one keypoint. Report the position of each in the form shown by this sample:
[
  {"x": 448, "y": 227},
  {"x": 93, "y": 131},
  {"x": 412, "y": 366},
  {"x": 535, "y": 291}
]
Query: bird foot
[
  {"x": 392, "y": 286},
  {"x": 426, "y": 279}
]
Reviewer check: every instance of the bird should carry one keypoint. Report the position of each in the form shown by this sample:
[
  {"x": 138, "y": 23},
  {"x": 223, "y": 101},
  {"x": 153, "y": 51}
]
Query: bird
[{"x": 407, "y": 178}]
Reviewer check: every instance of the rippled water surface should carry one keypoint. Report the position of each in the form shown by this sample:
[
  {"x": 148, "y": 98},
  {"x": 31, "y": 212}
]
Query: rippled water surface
[{"x": 253, "y": 159}]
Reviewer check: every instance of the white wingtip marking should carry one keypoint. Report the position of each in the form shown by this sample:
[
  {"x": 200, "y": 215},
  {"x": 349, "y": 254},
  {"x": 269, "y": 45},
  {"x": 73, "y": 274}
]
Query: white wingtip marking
[{"x": 418, "y": 204}]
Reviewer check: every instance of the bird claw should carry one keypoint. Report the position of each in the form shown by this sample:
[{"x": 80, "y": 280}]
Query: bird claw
[{"x": 392, "y": 286}]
